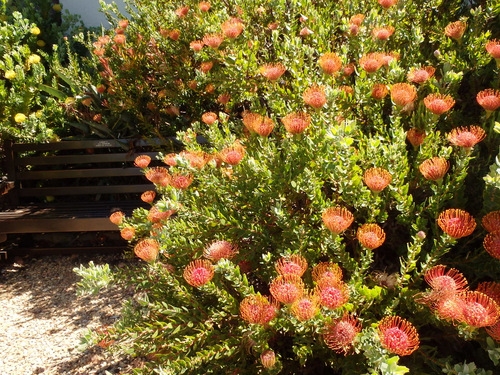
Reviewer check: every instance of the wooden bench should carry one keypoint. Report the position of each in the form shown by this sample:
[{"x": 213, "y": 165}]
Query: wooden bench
[{"x": 73, "y": 186}]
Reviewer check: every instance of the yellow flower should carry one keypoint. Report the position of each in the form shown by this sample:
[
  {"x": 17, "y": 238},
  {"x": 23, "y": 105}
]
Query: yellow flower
[
  {"x": 34, "y": 59},
  {"x": 69, "y": 100},
  {"x": 10, "y": 74},
  {"x": 57, "y": 7},
  {"x": 35, "y": 31},
  {"x": 40, "y": 43},
  {"x": 19, "y": 117},
  {"x": 39, "y": 113}
]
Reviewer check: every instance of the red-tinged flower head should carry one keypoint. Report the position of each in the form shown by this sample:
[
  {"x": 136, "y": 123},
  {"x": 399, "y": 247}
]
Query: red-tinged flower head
[
  {"x": 491, "y": 244},
  {"x": 174, "y": 34},
  {"x": 123, "y": 24},
  {"x": 332, "y": 295},
  {"x": 120, "y": 39},
  {"x": 328, "y": 271},
  {"x": 206, "y": 66},
  {"x": 204, "y": 6},
  {"x": 466, "y": 137},
  {"x": 398, "y": 335},
  {"x": 148, "y": 196},
  {"x": 386, "y": 4},
  {"x": 218, "y": 250},
  {"x": 494, "y": 331},
  {"x": 142, "y": 161},
  {"x": 294, "y": 264},
  {"x": 387, "y": 58},
  {"x": 256, "y": 123},
  {"x": 493, "y": 48},
  {"x": 257, "y": 309},
  {"x": 434, "y": 169},
  {"x": 197, "y": 159},
  {"x": 337, "y": 219},
  {"x": 347, "y": 89},
  {"x": 268, "y": 359},
  {"x": 224, "y": 98},
  {"x": 169, "y": 159},
  {"x": 383, "y": 33},
  {"x": 181, "y": 181},
  {"x": 232, "y": 28},
  {"x": 296, "y": 122},
  {"x": 379, "y": 91},
  {"x": 232, "y": 155},
  {"x": 182, "y": 11},
  {"x": 353, "y": 29},
  {"x": 340, "y": 335},
  {"x": 489, "y": 99},
  {"x": 449, "y": 308},
  {"x": 315, "y": 96},
  {"x": 99, "y": 52},
  {"x": 127, "y": 233},
  {"x": 420, "y": 75},
  {"x": 213, "y": 40},
  {"x": 456, "y": 223},
  {"x": 330, "y": 63},
  {"x": 157, "y": 174},
  {"x": 286, "y": 289},
  {"x": 403, "y": 94},
  {"x": 455, "y": 30},
  {"x": 209, "y": 118},
  {"x": 305, "y": 31},
  {"x": 377, "y": 179},
  {"x": 155, "y": 215},
  {"x": 272, "y": 71},
  {"x": 479, "y": 310},
  {"x": 491, "y": 221},
  {"x": 357, "y": 19},
  {"x": 147, "y": 249},
  {"x": 306, "y": 307},
  {"x": 444, "y": 283},
  {"x": 273, "y": 26},
  {"x": 371, "y": 236},
  {"x": 491, "y": 289},
  {"x": 117, "y": 217},
  {"x": 196, "y": 45},
  {"x": 348, "y": 69},
  {"x": 415, "y": 136},
  {"x": 372, "y": 62},
  {"x": 438, "y": 104},
  {"x": 199, "y": 272}
]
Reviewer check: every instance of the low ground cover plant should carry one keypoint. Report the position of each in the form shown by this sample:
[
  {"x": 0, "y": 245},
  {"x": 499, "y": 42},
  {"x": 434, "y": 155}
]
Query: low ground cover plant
[{"x": 342, "y": 215}]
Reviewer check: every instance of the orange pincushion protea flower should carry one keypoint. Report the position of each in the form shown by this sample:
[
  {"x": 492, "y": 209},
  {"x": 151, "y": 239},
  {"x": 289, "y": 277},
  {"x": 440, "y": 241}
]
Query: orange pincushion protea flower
[
  {"x": 182, "y": 11},
  {"x": 305, "y": 307},
  {"x": 155, "y": 215},
  {"x": 117, "y": 217},
  {"x": 387, "y": 58},
  {"x": 491, "y": 221},
  {"x": 455, "y": 30},
  {"x": 148, "y": 196},
  {"x": 398, "y": 335},
  {"x": 371, "y": 236},
  {"x": 147, "y": 249},
  {"x": 415, "y": 136},
  {"x": 181, "y": 181},
  {"x": 479, "y": 310},
  {"x": 169, "y": 159},
  {"x": 332, "y": 295},
  {"x": 209, "y": 118},
  {"x": 272, "y": 71},
  {"x": 330, "y": 63},
  {"x": 372, "y": 62},
  {"x": 315, "y": 96},
  {"x": 434, "y": 169},
  {"x": 420, "y": 75},
  {"x": 449, "y": 308},
  {"x": 403, "y": 94},
  {"x": 386, "y": 4},
  {"x": 379, "y": 91},
  {"x": 206, "y": 66},
  {"x": 268, "y": 359},
  {"x": 438, "y": 104},
  {"x": 224, "y": 98},
  {"x": 157, "y": 174},
  {"x": 220, "y": 250},
  {"x": 287, "y": 289},
  {"x": 494, "y": 331},
  {"x": 377, "y": 179},
  {"x": 327, "y": 270},
  {"x": 456, "y": 223},
  {"x": 127, "y": 233},
  {"x": 204, "y": 6},
  {"x": 489, "y": 99},
  {"x": 262, "y": 125},
  {"x": 466, "y": 137},
  {"x": 199, "y": 272},
  {"x": 493, "y": 48},
  {"x": 348, "y": 69},
  {"x": 337, "y": 219},
  {"x": 142, "y": 161},
  {"x": 213, "y": 40},
  {"x": 444, "y": 283},
  {"x": 232, "y": 28},
  {"x": 491, "y": 289},
  {"x": 257, "y": 309},
  {"x": 232, "y": 155},
  {"x": 196, "y": 45},
  {"x": 294, "y": 264},
  {"x": 296, "y": 122},
  {"x": 197, "y": 159},
  {"x": 491, "y": 244},
  {"x": 341, "y": 334},
  {"x": 357, "y": 19},
  {"x": 383, "y": 33}
]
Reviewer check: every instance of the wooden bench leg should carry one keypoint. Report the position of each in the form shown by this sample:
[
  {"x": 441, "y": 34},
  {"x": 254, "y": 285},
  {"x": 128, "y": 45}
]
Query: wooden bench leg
[{"x": 3, "y": 237}]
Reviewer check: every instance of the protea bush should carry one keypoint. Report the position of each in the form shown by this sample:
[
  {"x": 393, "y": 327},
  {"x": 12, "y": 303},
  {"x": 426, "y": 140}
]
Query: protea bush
[{"x": 319, "y": 228}]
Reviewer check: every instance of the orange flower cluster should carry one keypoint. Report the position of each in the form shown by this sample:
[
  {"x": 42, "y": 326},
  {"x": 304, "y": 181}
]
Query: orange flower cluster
[
  {"x": 421, "y": 75},
  {"x": 372, "y": 62},
  {"x": 379, "y": 91},
  {"x": 257, "y": 309},
  {"x": 489, "y": 99},
  {"x": 232, "y": 155},
  {"x": 337, "y": 219},
  {"x": 199, "y": 272},
  {"x": 403, "y": 94},
  {"x": 296, "y": 122},
  {"x": 220, "y": 250},
  {"x": 232, "y": 28},
  {"x": 291, "y": 265},
  {"x": 416, "y": 136},
  {"x": 315, "y": 96},
  {"x": 377, "y": 179},
  {"x": 147, "y": 249},
  {"x": 272, "y": 71},
  {"x": 256, "y": 123},
  {"x": 330, "y": 63},
  {"x": 455, "y": 30},
  {"x": 466, "y": 137},
  {"x": 438, "y": 104},
  {"x": 383, "y": 33},
  {"x": 341, "y": 334},
  {"x": 456, "y": 223},
  {"x": 370, "y": 236},
  {"x": 434, "y": 169},
  {"x": 398, "y": 335},
  {"x": 491, "y": 221}
]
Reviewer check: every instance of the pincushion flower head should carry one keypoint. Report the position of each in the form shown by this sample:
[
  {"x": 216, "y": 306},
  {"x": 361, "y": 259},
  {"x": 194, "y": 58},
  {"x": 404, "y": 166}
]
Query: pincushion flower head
[
  {"x": 196, "y": 45},
  {"x": 218, "y": 250},
  {"x": 197, "y": 159},
  {"x": 438, "y": 104},
  {"x": 181, "y": 181},
  {"x": 315, "y": 96},
  {"x": 256, "y": 123},
  {"x": 204, "y": 6},
  {"x": 466, "y": 137},
  {"x": 332, "y": 295},
  {"x": 357, "y": 19},
  {"x": 456, "y": 223},
  {"x": 340, "y": 335},
  {"x": 491, "y": 244},
  {"x": 388, "y": 58},
  {"x": 147, "y": 249},
  {"x": 491, "y": 289},
  {"x": 233, "y": 154},
  {"x": 257, "y": 309},
  {"x": 182, "y": 11},
  {"x": 372, "y": 62},
  {"x": 117, "y": 217},
  {"x": 272, "y": 71},
  {"x": 337, "y": 219},
  {"x": 494, "y": 331},
  {"x": 296, "y": 122},
  {"x": 199, "y": 272},
  {"x": 370, "y": 236},
  {"x": 383, "y": 33},
  {"x": 327, "y": 270},
  {"x": 232, "y": 28},
  {"x": 330, "y": 63},
  {"x": 127, "y": 233},
  {"x": 421, "y": 75},
  {"x": 287, "y": 289},
  {"x": 377, "y": 179},
  {"x": 386, "y": 4},
  {"x": 491, "y": 221},
  {"x": 444, "y": 283},
  {"x": 479, "y": 310},
  {"x": 434, "y": 169},
  {"x": 493, "y": 48},
  {"x": 415, "y": 136},
  {"x": 213, "y": 40},
  {"x": 305, "y": 307},
  {"x": 155, "y": 215},
  {"x": 294, "y": 264},
  {"x": 489, "y": 99},
  {"x": 268, "y": 359},
  {"x": 403, "y": 94},
  {"x": 455, "y": 30},
  {"x": 398, "y": 335},
  {"x": 209, "y": 118},
  {"x": 379, "y": 91}
]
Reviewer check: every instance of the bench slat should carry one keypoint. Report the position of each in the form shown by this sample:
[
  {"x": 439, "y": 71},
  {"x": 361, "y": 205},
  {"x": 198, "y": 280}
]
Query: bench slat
[
  {"x": 58, "y": 225},
  {"x": 78, "y": 173},
  {"x": 80, "y": 159},
  {"x": 82, "y": 190}
]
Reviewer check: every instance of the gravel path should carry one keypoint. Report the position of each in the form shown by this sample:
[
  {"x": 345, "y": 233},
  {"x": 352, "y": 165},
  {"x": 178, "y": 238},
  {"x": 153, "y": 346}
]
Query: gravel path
[{"x": 42, "y": 319}]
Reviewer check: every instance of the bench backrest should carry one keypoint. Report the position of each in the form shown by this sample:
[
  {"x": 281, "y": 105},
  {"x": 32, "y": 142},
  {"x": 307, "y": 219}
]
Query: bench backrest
[{"x": 102, "y": 169}]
